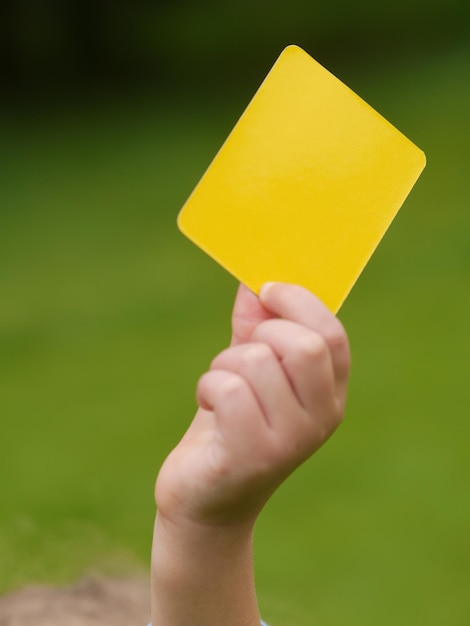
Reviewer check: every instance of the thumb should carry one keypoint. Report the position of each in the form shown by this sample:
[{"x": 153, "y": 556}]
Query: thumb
[{"x": 247, "y": 313}]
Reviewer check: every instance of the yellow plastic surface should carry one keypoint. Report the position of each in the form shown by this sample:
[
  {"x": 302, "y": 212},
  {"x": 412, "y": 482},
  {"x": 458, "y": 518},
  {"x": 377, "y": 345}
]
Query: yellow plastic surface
[{"x": 305, "y": 186}]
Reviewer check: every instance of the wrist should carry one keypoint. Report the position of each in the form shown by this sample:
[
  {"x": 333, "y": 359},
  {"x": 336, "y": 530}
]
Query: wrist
[
  {"x": 184, "y": 545},
  {"x": 208, "y": 567}
]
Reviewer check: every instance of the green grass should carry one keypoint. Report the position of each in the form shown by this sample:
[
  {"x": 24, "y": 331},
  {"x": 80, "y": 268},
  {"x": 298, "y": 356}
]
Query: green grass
[{"x": 108, "y": 316}]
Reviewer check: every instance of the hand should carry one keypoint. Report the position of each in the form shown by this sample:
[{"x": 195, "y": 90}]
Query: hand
[{"x": 266, "y": 404}]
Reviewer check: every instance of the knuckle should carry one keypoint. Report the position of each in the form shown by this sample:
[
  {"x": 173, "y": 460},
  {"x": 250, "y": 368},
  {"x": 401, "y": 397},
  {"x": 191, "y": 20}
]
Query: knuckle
[
  {"x": 204, "y": 381},
  {"x": 312, "y": 345},
  {"x": 257, "y": 354},
  {"x": 337, "y": 413},
  {"x": 337, "y": 417},
  {"x": 231, "y": 385},
  {"x": 218, "y": 359},
  {"x": 337, "y": 338},
  {"x": 218, "y": 384},
  {"x": 268, "y": 330}
]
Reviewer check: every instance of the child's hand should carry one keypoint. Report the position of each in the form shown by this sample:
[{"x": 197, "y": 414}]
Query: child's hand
[{"x": 266, "y": 404}]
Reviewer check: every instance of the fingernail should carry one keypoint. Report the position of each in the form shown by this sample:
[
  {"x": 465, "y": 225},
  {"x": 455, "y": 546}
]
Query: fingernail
[{"x": 265, "y": 289}]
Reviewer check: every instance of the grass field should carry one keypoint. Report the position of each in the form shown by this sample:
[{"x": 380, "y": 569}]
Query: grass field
[{"x": 108, "y": 316}]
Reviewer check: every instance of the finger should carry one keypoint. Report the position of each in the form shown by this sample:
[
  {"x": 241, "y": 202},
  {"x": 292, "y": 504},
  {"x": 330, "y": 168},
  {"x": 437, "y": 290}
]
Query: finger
[
  {"x": 229, "y": 397},
  {"x": 306, "y": 360},
  {"x": 247, "y": 313},
  {"x": 297, "y": 304},
  {"x": 258, "y": 365}
]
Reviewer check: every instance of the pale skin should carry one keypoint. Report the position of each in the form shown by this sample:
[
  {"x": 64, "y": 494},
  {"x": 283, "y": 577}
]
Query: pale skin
[{"x": 266, "y": 404}]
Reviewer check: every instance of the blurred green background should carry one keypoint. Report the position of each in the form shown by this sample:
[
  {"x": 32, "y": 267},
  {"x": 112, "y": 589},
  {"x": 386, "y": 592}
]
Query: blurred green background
[{"x": 110, "y": 113}]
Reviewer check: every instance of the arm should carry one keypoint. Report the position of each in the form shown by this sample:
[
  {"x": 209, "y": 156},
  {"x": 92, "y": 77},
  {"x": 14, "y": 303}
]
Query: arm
[{"x": 265, "y": 405}]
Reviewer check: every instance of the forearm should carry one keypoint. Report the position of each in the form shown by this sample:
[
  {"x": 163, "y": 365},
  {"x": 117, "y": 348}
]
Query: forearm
[
  {"x": 265, "y": 405},
  {"x": 203, "y": 576}
]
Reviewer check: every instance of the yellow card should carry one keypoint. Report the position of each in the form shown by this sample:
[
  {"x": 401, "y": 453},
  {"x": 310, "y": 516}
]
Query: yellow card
[{"x": 305, "y": 185}]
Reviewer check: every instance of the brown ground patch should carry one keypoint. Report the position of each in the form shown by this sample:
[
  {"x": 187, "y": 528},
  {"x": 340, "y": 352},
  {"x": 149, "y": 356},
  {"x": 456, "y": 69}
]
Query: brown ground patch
[{"x": 91, "y": 602}]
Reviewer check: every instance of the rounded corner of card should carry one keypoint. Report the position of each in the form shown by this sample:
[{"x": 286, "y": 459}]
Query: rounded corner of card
[
  {"x": 180, "y": 217},
  {"x": 423, "y": 159},
  {"x": 292, "y": 47}
]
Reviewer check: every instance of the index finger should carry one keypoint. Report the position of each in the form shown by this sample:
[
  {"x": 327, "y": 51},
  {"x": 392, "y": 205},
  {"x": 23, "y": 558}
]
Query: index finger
[{"x": 297, "y": 304}]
